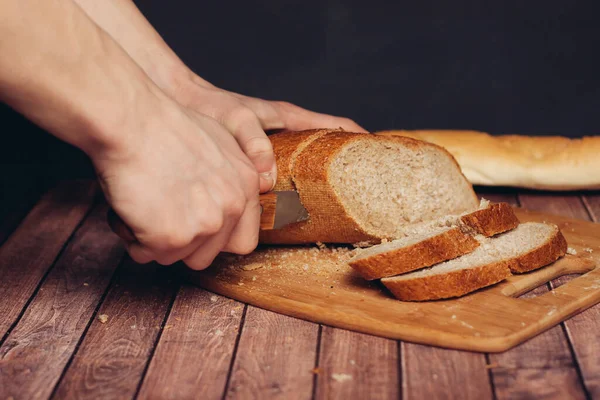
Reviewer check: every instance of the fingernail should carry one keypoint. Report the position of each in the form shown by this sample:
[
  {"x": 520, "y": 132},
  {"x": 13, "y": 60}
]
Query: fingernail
[{"x": 268, "y": 177}]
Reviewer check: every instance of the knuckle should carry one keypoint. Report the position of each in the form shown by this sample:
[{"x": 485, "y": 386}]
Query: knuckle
[
  {"x": 284, "y": 104},
  {"x": 172, "y": 240},
  {"x": 258, "y": 145},
  {"x": 211, "y": 223},
  {"x": 236, "y": 204},
  {"x": 241, "y": 115},
  {"x": 164, "y": 259},
  {"x": 198, "y": 263}
]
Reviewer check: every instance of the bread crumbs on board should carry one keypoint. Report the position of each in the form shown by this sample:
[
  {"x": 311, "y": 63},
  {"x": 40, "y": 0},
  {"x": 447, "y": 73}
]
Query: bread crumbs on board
[
  {"x": 341, "y": 377},
  {"x": 103, "y": 318}
]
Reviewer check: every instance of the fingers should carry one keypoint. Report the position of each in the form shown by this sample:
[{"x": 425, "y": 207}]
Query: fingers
[
  {"x": 250, "y": 135},
  {"x": 228, "y": 220},
  {"x": 241, "y": 237},
  {"x": 244, "y": 238},
  {"x": 297, "y": 118}
]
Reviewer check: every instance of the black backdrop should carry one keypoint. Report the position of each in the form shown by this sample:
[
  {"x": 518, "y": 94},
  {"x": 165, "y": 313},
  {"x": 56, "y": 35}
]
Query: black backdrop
[{"x": 526, "y": 67}]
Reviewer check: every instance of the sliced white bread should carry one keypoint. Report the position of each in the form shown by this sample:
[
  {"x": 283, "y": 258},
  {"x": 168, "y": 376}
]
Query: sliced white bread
[
  {"x": 432, "y": 243},
  {"x": 530, "y": 246}
]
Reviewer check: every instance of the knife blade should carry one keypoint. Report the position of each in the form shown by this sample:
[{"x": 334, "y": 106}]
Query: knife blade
[
  {"x": 281, "y": 208},
  {"x": 277, "y": 210}
]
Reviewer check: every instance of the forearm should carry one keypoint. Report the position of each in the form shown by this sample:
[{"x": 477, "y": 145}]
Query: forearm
[
  {"x": 122, "y": 20},
  {"x": 67, "y": 75}
]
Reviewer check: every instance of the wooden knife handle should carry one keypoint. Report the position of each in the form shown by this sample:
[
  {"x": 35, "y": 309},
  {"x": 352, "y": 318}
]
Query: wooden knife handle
[{"x": 268, "y": 202}]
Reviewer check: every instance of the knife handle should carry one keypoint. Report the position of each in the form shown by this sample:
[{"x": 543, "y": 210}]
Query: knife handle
[{"x": 268, "y": 202}]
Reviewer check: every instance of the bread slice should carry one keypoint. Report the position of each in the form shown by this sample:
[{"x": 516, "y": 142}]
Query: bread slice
[
  {"x": 529, "y": 246},
  {"x": 361, "y": 187},
  {"x": 434, "y": 242}
]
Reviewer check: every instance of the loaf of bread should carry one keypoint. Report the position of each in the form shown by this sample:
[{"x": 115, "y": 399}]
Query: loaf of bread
[
  {"x": 360, "y": 187},
  {"x": 537, "y": 162},
  {"x": 530, "y": 246},
  {"x": 433, "y": 242}
]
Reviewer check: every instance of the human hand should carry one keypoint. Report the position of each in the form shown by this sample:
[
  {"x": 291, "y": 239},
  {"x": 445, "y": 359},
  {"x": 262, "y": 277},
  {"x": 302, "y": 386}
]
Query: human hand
[
  {"x": 185, "y": 189},
  {"x": 247, "y": 119}
]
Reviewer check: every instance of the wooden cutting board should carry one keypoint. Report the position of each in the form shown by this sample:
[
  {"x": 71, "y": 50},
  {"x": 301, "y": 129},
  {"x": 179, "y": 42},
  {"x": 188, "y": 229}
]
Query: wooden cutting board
[{"x": 318, "y": 286}]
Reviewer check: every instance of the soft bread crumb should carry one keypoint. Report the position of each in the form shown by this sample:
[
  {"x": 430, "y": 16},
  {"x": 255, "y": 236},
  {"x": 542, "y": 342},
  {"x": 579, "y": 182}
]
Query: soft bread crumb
[
  {"x": 103, "y": 318},
  {"x": 213, "y": 299},
  {"x": 341, "y": 377},
  {"x": 589, "y": 250},
  {"x": 571, "y": 251},
  {"x": 484, "y": 203}
]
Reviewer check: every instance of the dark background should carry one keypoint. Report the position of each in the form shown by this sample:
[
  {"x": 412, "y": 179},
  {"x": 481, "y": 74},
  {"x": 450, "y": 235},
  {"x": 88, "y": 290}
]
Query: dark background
[{"x": 527, "y": 67}]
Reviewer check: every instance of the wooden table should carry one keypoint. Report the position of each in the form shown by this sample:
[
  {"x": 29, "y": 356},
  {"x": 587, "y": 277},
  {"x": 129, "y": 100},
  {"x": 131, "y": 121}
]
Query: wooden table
[{"x": 79, "y": 319}]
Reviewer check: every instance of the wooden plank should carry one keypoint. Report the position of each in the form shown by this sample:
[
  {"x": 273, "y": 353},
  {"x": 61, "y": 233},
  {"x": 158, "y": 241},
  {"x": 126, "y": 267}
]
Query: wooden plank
[
  {"x": 29, "y": 252},
  {"x": 354, "y": 365},
  {"x": 275, "y": 357},
  {"x": 434, "y": 373},
  {"x": 114, "y": 353},
  {"x": 38, "y": 348},
  {"x": 543, "y": 366},
  {"x": 196, "y": 348},
  {"x": 582, "y": 329}
]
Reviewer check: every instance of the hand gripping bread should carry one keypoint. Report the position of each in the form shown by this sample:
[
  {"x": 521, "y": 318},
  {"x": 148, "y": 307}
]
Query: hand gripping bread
[
  {"x": 434, "y": 242},
  {"x": 537, "y": 162},
  {"x": 359, "y": 187},
  {"x": 530, "y": 246}
]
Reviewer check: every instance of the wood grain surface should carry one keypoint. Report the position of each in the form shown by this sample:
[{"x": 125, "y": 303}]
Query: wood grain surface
[
  {"x": 58, "y": 347},
  {"x": 355, "y": 365},
  {"x": 112, "y": 357},
  {"x": 275, "y": 358},
  {"x": 29, "y": 252},
  {"x": 37, "y": 350},
  {"x": 196, "y": 347}
]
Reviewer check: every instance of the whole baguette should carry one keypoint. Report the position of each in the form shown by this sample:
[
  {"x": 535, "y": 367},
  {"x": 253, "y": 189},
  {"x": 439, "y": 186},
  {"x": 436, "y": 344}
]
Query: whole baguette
[{"x": 536, "y": 162}]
